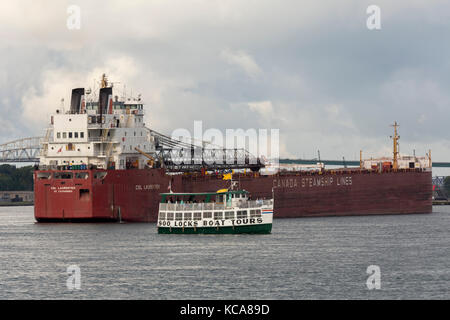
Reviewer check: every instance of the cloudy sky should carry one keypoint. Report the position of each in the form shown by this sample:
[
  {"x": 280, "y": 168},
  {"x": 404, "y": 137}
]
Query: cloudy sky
[{"x": 311, "y": 69}]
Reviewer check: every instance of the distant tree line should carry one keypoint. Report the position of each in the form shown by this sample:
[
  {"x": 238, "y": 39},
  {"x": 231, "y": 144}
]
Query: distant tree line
[{"x": 16, "y": 179}]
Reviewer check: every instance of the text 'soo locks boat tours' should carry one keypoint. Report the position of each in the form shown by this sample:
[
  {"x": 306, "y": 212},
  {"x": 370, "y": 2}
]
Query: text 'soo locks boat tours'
[{"x": 222, "y": 212}]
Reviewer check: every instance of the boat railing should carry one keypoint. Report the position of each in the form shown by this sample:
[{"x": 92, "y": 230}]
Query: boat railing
[
  {"x": 254, "y": 203},
  {"x": 211, "y": 205}
]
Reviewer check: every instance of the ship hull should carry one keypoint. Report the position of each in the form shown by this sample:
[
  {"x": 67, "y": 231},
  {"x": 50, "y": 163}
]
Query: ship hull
[{"x": 133, "y": 195}]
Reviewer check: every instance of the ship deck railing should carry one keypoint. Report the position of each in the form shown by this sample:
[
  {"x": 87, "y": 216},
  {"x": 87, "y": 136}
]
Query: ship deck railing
[
  {"x": 102, "y": 139},
  {"x": 213, "y": 205}
]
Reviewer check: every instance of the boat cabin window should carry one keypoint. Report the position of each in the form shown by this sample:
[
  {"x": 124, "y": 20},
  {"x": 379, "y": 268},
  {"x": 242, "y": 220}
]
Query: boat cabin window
[
  {"x": 207, "y": 215},
  {"x": 162, "y": 215},
  {"x": 81, "y": 175},
  {"x": 255, "y": 213},
  {"x": 188, "y": 216},
  {"x": 241, "y": 214},
  {"x": 179, "y": 216},
  {"x": 99, "y": 175},
  {"x": 218, "y": 215},
  {"x": 219, "y": 198},
  {"x": 43, "y": 175},
  {"x": 229, "y": 215},
  {"x": 63, "y": 175},
  {"x": 197, "y": 216},
  {"x": 169, "y": 215}
]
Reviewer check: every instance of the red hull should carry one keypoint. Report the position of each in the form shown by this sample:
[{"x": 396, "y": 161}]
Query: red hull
[{"x": 133, "y": 195}]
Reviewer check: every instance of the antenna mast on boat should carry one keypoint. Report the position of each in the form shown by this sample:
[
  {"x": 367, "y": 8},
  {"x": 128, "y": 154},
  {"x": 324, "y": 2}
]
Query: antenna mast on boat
[{"x": 395, "y": 139}]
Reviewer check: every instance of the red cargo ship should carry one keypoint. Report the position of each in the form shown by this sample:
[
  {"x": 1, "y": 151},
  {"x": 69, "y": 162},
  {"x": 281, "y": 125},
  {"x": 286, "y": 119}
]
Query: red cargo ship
[{"x": 100, "y": 163}]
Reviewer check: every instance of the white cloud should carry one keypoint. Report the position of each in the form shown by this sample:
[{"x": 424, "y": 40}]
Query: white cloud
[
  {"x": 243, "y": 60},
  {"x": 264, "y": 108},
  {"x": 56, "y": 84}
]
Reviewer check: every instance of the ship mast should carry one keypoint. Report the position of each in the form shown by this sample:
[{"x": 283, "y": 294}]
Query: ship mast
[
  {"x": 395, "y": 139},
  {"x": 104, "y": 81}
]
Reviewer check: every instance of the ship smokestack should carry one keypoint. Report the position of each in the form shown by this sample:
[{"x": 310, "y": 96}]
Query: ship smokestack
[
  {"x": 77, "y": 101},
  {"x": 105, "y": 101}
]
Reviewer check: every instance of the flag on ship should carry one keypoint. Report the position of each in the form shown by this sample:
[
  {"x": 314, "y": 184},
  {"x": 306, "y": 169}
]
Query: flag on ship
[{"x": 228, "y": 175}]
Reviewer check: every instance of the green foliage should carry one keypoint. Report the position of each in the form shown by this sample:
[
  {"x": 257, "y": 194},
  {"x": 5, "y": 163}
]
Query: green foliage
[{"x": 16, "y": 179}]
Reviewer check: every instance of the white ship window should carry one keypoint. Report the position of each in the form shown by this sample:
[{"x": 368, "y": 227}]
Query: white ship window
[
  {"x": 241, "y": 214},
  {"x": 81, "y": 134},
  {"x": 63, "y": 175},
  {"x": 76, "y": 134},
  {"x": 58, "y": 135},
  {"x": 218, "y": 215},
  {"x": 43, "y": 175},
  {"x": 255, "y": 213},
  {"x": 179, "y": 216},
  {"x": 207, "y": 215},
  {"x": 81, "y": 175},
  {"x": 229, "y": 215},
  {"x": 169, "y": 215},
  {"x": 188, "y": 216},
  {"x": 70, "y": 135},
  {"x": 197, "y": 216},
  {"x": 135, "y": 133},
  {"x": 100, "y": 175},
  {"x": 162, "y": 216},
  {"x": 64, "y": 135}
]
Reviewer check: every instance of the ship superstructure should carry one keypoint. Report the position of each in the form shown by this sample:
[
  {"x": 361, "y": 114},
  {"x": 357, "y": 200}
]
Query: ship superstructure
[{"x": 105, "y": 134}]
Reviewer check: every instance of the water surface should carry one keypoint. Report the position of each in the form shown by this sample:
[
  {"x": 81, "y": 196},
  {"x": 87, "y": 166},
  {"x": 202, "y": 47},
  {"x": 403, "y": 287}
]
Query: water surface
[{"x": 304, "y": 258}]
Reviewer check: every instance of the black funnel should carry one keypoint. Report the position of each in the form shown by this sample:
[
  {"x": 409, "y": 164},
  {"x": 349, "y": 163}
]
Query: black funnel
[
  {"x": 75, "y": 103},
  {"x": 105, "y": 94}
]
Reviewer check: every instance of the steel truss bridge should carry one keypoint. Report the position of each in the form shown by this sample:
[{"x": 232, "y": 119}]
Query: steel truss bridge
[
  {"x": 177, "y": 155},
  {"x": 172, "y": 154},
  {"x": 439, "y": 191},
  {"x": 180, "y": 156},
  {"x": 22, "y": 150}
]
